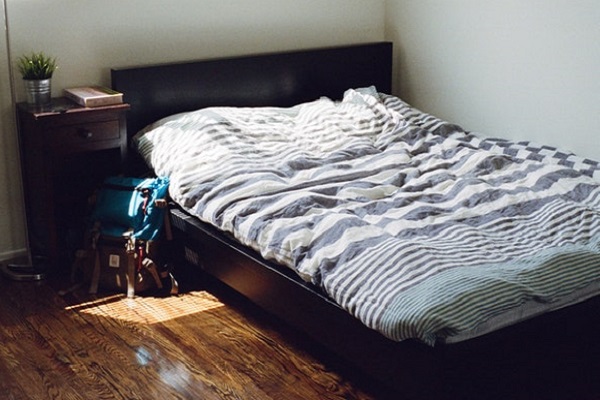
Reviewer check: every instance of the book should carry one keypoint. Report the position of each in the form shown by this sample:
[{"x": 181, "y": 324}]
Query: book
[{"x": 94, "y": 96}]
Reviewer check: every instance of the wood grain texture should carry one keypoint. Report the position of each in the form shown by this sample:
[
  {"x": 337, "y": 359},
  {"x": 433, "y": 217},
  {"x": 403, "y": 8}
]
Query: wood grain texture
[{"x": 206, "y": 343}]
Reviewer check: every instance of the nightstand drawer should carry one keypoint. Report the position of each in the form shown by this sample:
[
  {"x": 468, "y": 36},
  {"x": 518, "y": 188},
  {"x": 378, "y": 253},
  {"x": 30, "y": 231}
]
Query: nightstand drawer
[{"x": 75, "y": 136}]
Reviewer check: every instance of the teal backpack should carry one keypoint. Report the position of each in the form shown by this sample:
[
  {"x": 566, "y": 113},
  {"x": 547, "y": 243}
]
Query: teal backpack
[
  {"x": 131, "y": 204},
  {"x": 126, "y": 230}
]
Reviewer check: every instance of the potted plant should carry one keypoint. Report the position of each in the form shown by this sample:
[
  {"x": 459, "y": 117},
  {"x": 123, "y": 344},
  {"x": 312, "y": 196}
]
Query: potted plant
[{"x": 37, "y": 70}]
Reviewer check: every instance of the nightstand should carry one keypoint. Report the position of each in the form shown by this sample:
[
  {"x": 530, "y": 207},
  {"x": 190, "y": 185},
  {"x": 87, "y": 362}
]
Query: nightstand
[{"x": 66, "y": 152}]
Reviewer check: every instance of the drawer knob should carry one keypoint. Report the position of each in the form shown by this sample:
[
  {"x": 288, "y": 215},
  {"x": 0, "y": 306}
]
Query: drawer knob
[{"x": 85, "y": 133}]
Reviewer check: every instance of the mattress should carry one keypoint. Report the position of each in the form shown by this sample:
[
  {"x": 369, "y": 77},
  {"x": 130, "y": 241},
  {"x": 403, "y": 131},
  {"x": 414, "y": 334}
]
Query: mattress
[{"x": 413, "y": 225}]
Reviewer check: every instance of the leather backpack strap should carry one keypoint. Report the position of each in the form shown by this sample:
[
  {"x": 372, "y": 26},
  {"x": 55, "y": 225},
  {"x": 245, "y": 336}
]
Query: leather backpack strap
[
  {"x": 174, "y": 285},
  {"x": 130, "y": 275},
  {"x": 151, "y": 267},
  {"x": 131, "y": 267},
  {"x": 95, "y": 273}
]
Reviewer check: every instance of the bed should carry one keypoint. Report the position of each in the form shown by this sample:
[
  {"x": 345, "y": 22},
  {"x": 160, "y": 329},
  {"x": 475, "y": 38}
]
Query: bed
[{"x": 357, "y": 218}]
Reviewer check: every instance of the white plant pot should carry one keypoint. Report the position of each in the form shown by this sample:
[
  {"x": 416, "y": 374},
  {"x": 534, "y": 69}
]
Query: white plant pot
[{"x": 38, "y": 91}]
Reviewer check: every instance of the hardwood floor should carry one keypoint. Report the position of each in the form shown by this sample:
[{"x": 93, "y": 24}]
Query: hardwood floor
[{"x": 206, "y": 343}]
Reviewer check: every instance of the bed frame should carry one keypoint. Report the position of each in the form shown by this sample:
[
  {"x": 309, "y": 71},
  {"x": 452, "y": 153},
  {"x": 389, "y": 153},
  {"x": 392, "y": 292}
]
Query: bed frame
[{"x": 551, "y": 356}]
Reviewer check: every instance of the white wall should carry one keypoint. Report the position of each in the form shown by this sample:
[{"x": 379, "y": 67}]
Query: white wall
[
  {"x": 526, "y": 70},
  {"x": 88, "y": 37},
  {"x": 12, "y": 237}
]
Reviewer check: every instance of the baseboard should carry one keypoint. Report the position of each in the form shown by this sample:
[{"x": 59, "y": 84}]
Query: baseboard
[{"x": 13, "y": 255}]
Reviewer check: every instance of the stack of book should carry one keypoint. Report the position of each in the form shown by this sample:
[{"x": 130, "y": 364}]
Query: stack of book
[{"x": 94, "y": 96}]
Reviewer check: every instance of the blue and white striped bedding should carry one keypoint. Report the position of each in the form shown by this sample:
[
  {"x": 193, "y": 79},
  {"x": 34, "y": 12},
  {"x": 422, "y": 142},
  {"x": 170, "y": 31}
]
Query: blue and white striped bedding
[{"x": 416, "y": 227}]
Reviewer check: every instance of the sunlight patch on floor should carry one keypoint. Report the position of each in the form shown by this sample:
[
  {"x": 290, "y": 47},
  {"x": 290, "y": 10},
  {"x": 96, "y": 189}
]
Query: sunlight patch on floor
[{"x": 149, "y": 310}]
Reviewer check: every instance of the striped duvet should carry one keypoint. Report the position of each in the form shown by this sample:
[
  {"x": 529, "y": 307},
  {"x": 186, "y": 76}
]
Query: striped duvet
[{"x": 414, "y": 226}]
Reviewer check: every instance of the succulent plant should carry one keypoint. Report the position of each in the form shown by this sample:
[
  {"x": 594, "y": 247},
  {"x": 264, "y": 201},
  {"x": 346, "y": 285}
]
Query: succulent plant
[{"x": 36, "y": 66}]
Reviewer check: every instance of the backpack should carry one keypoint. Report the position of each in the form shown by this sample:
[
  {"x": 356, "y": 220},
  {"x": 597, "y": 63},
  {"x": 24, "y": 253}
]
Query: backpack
[{"x": 123, "y": 241}]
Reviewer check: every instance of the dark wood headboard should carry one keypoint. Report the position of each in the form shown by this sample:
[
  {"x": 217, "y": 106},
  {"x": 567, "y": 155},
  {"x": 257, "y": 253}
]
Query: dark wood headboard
[{"x": 276, "y": 79}]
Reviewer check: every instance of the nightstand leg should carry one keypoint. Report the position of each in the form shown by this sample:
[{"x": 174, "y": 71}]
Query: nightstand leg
[{"x": 33, "y": 271}]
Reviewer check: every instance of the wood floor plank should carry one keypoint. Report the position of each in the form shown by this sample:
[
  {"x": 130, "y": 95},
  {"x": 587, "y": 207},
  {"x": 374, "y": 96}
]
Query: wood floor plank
[
  {"x": 137, "y": 347},
  {"x": 202, "y": 344},
  {"x": 28, "y": 355},
  {"x": 162, "y": 355}
]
